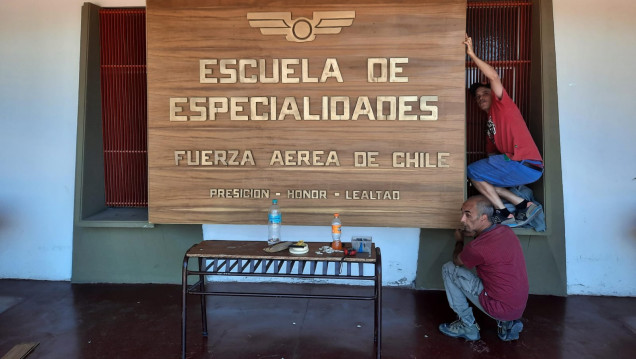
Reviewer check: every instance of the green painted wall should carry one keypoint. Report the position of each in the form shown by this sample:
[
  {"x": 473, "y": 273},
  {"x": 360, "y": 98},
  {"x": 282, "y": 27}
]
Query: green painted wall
[{"x": 132, "y": 255}]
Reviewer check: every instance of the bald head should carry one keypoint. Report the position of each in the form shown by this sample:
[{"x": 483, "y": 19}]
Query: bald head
[
  {"x": 482, "y": 206},
  {"x": 476, "y": 214}
]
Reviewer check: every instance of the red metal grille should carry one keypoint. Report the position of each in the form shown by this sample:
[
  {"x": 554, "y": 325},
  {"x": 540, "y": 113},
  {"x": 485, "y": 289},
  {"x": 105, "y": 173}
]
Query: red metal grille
[
  {"x": 501, "y": 36},
  {"x": 124, "y": 116}
]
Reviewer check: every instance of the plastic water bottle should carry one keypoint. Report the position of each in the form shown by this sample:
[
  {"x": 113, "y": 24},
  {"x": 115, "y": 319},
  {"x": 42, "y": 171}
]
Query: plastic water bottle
[
  {"x": 336, "y": 231},
  {"x": 274, "y": 223}
]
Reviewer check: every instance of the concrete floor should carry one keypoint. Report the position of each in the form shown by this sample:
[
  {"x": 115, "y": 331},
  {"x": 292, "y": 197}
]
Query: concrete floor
[{"x": 143, "y": 321}]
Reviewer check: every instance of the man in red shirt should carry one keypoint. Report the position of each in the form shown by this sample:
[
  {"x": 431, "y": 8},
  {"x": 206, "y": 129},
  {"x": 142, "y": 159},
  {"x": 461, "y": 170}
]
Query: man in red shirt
[
  {"x": 514, "y": 158},
  {"x": 500, "y": 287}
]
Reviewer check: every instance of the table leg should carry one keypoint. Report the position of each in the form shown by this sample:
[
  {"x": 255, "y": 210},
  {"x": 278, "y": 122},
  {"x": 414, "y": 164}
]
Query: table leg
[
  {"x": 377, "y": 335},
  {"x": 204, "y": 309},
  {"x": 184, "y": 289}
]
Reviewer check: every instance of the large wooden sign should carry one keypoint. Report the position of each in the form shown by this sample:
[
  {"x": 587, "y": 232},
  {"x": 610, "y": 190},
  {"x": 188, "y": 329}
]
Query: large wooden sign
[{"x": 328, "y": 106}]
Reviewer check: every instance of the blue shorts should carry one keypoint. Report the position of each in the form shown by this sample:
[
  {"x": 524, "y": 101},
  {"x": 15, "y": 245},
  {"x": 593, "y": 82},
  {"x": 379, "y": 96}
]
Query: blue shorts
[{"x": 500, "y": 171}]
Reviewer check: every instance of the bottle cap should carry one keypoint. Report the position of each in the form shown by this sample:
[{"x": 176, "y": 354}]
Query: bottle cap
[
  {"x": 274, "y": 201},
  {"x": 336, "y": 215}
]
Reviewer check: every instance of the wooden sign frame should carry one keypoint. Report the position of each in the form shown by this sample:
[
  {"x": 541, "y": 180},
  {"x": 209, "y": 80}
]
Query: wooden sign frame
[{"x": 328, "y": 106}]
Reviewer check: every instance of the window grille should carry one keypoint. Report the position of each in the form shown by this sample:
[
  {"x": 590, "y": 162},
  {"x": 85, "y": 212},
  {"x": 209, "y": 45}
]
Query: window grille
[{"x": 124, "y": 109}]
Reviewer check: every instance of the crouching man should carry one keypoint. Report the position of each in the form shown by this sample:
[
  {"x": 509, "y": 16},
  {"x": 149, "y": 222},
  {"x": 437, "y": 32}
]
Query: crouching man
[{"x": 500, "y": 288}]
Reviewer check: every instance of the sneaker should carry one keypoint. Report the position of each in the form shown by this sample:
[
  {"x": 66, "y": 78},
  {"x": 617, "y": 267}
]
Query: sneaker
[
  {"x": 510, "y": 221},
  {"x": 509, "y": 330},
  {"x": 459, "y": 329},
  {"x": 525, "y": 215}
]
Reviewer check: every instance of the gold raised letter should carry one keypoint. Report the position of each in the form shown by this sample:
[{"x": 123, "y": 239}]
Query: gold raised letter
[
  {"x": 426, "y": 107},
  {"x": 441, "y": 159},
  {"x": 402, "y": 116},
  {"x": 242, "y": 71},
  {"x": 222, "y": 101},
  {"x": 331, "y": 70},
  {"x": 178, "y": 156},
  {"x": 392, "y": 108},
  {"x": 305, "y": 72},
  {"x": 263, "y": 74},
  {"x": 289, "y": 108},
  {"x": 204, "y": 71},
  {"x": 224, "y": 70},
  {"x": 236, "y": 106},
  {"x": 363, "y": 107},
  {"x": 174, "y": 109},
  {"x": 253, "y": 107},
  {"x": 397, "y": 159},
  {"x": 203, "y": 111},
  {"x": 286, "y": 71},
  {"x": 346, "y": 115},
  {"x": 277, "y": 158},
  {"x": 371, "y": 64},
  {"x": 306, "y": 114},
  {"x": 394, "y": 70}
]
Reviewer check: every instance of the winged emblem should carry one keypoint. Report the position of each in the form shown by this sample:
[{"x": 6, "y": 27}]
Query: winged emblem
[{"x": 301, "y": 29}]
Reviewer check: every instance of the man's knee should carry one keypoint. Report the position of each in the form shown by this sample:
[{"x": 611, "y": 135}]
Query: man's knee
[
  {"x": 448, "y": 268},
  {"x": 478, "y": 171}
]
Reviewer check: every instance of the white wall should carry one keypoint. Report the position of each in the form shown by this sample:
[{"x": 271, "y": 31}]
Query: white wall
[
  {"x": 398, "y": 246},
  {"x": 39, "y": 74},
  {"x": 595, "y": 53}
]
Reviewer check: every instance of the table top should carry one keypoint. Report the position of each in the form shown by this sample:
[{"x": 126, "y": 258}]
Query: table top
[{"x": 254, "y": 250}]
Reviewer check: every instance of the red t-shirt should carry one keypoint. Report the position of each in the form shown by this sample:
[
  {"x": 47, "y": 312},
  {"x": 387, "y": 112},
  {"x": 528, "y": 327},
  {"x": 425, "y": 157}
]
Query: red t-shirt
[
  {"x": 508, "y": 132},
  {"x": 500, "y": 264}
]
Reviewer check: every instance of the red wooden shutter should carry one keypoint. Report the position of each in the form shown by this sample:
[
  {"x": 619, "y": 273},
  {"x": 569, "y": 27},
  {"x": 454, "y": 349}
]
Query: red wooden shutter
[{"x": 124, "y": 110}]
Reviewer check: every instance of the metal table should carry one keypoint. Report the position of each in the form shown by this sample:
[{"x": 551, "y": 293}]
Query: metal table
[{"x": 246, "y": 258}]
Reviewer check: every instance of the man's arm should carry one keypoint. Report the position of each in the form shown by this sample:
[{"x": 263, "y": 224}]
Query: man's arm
[
  {"x": 495, "y": 82},
  {"x": 459, "y": 247}
]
